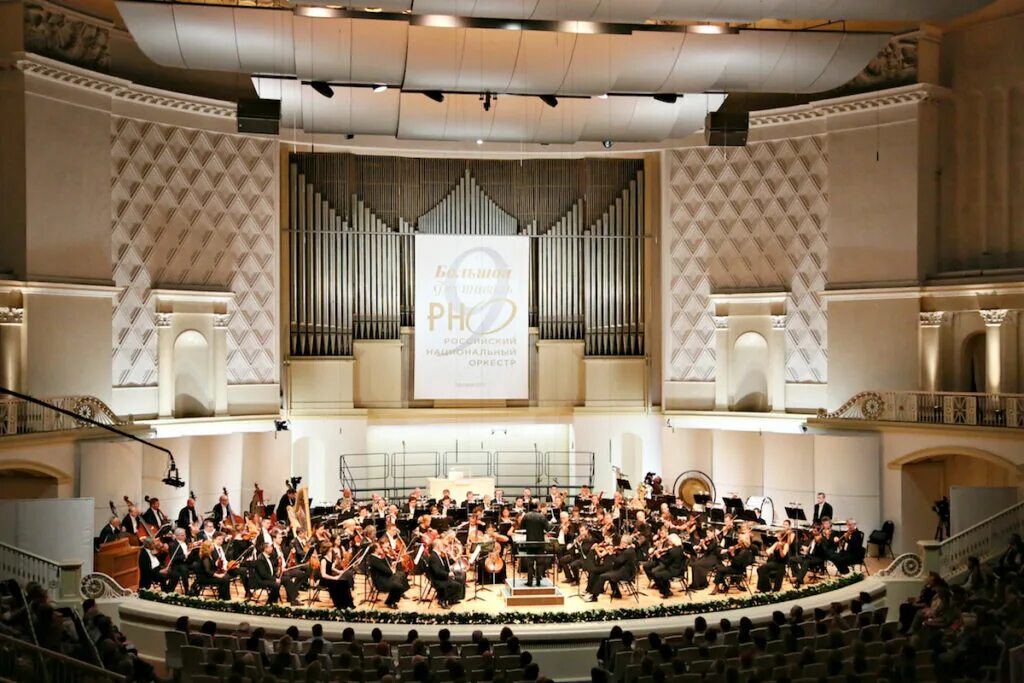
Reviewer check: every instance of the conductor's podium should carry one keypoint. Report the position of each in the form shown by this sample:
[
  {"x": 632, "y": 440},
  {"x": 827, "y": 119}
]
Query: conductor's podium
[
  {"x": 120, "y": 561},
  {"x": 518, "y": 594}
]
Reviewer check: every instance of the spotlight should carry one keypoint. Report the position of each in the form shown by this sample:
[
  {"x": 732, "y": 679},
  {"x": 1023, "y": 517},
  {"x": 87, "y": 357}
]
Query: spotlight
[
  {"x": 282, "y": 425},
  {"x": 380, "y": 87},
  {"x": 603, "y": 96},
  {"x": 173, "y": 477},
  {"x": 487, "y": 101},
  {"x": 435, "y": 95},
  {"x": 608, "y": 144},
  {"x": 479, "y": 141},
  {"x": 667, "y": 98},
  {"x": 323, "y": 87},
  {"x": 349, "y": 136},
  {"x": 549, "y": 100}
]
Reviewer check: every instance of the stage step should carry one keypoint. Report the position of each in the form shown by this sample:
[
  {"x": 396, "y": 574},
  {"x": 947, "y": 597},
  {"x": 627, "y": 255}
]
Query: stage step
[{"x": 518, "y": 594}]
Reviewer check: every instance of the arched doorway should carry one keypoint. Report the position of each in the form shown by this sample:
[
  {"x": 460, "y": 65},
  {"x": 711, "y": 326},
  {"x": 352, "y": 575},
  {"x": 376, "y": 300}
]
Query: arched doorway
[
  {"x": 23, "y": 480},
  {"x": 972, "y": 364},
  {"x": 193, "y": 396},
  {"x": 749, "y": 373}
]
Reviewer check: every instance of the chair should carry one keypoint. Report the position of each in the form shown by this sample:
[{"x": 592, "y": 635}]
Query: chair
[
  {"x": 630, "y": 588},
  {"x": 883, "y": 538},
  {"x": 173, "y": 642},
  {"x": 192, "y": 659},
  {"x": 226, "y": 642}
]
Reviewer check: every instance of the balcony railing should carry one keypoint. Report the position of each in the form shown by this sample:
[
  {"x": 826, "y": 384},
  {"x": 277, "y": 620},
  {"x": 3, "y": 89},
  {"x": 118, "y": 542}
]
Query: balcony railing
[
  {"x": 941, "y": 408},
  {"x": 18, "y": 416}
]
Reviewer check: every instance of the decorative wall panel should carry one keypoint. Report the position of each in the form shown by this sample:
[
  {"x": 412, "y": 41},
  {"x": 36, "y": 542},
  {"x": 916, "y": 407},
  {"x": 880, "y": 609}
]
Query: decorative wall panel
[
  {"x": 748, "y": 218},
  {"x": 193, "y": 208}
]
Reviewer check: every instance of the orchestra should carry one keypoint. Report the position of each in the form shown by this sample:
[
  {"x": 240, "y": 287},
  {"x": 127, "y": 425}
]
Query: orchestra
[{"x": 596, "y": 542}]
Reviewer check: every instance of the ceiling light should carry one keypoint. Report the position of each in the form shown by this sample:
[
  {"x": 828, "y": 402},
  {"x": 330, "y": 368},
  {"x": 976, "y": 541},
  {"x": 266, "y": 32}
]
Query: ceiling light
[
  {"x": 435, "y": 95},
  {"x": 479, "y": 141},
  {"x": 375, "y": 10},
  {"x": 487, "y": 101},
  {"x": 380, "y": 87},
  {"x": 549, "y": 100},
  {"x": 667, "y": 98},
  {"x": 322, "y": 87},
  {"x": 603, "y": 96},
  {"x": 710, "y": 29},
  {"x": 608, "y": 144}
]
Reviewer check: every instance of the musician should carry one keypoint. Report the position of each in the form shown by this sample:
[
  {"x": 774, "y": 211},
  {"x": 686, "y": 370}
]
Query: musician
[
  {"x": 222, "y": 511},
  {"x": 536, "y": 524},
  {"x": 411, "y": 507},
  {"x": 773, "y": 571},
  {"x": 623, "y": 568},
  {"x": 208, "y": 574},
  {"x": 334, "y": 576},
  {"x": 207, "y": 532},
  {"x": 583, "y": 497},
  {"x": 188, "y": 518},
  {"x": 655, "y": 553},
  {"x": 850, "y": 547},
  {"x": 287, "y": 501},
  {"x": 110, "y": 530},
  {"x": 221, "y": 560},
  {"x": 708, "y": 551},
  {"x": 821, "y": 508},
  {"x": 264, "y": 537},
  {"x": 346, "y": 502},
  {"x": 741, "y": 556},
  {"x": 177, "y": 569},
  {"x": 301, "y": 550},
  {"x": 527, "y": 495},
  {"x": 439, "y": 570},
  {"x": 577, "y": 556},
  {"x": 553, "y": 493},
  {"x": 470, "y": 501},
  {"x": 671, "y": 564},
  {"x": 385, "y": 577},
  {"x": 130, "y": 523},
  {"x": 657, "y": 488},
  {"x": 499, "y": 498},
  {"x": 362, "y": 517},
  {"x": 813, "y": 556},
  {"x": 267, "y": 574},
  {"x": 149, "y": 566},
  {"x": 154, "y": 516}
]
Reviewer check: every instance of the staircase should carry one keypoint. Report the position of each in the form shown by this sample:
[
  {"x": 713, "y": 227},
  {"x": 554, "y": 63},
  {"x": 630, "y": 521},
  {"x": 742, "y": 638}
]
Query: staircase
[{"x": 61, "y": 579}]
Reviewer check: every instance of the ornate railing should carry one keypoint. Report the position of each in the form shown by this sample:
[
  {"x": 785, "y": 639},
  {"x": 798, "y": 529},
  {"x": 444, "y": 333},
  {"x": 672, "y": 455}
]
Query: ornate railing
[
  {"x": 61, "y": 579},
  {"x": 985, "y": 540},
  {"x": 23, "y": 661},
  {"x": 924, "y": 407},
  {"x": 18, "y": 416}
]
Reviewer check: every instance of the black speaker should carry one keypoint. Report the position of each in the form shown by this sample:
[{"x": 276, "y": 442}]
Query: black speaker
[
  {"x": 726, "y": 129},
  {"x": 259, "y": 116}
]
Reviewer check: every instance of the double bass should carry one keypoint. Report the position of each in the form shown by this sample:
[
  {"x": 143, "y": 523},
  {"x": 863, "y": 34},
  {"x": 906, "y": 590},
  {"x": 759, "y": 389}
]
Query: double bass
[
  {"x": 145, "y": 530},
  {"x": 232, "y": 522}
]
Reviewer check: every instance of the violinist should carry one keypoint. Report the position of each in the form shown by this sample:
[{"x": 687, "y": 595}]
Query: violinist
[
  {"x": 623, "y": 568},
  {"x": 708, "y": 559},
  {"x": 386, "y": 577},
  {"x": 267, "y": 574},
  {"x": 177, "y": 568},
  {"x": 439, "y": 569},
  {"x": 224, "y": 566},
  {"x": 656, "y": 551},
  {"x": 222, "y": 511},
  {"x": 188, "y": 519},
  {"x": 422, "y": 529},
  {"x": 207, "y": 532},
  {"x": 333, "y": 576},
  {"x": 149, "y": 565},
  {"x": 741, "y": 556},
  {"x": 264, "y": 537},
  {"x": 577, "y": 556},
  {"x": 671, "y": 564},
  {"x": 811, "y": 556},
  {"x": 392, "y": 542},
  {"x": 773, "y": 571},
  {"x": 209, "y": 574},
  {"x": 850, "y": 547}
]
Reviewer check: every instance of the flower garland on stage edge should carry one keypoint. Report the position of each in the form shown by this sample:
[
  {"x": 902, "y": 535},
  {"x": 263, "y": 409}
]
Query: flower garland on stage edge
[{"x": 374, "y": 616}]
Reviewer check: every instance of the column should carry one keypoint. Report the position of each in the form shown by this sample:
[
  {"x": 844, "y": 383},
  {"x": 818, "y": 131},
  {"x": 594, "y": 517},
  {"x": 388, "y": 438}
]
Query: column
[
  {"x": 11, "y": 330},
  {"x": 777, "y": 365},
  {"x": 931, "y": 349},
  {"x": 220, "y": 363},
  {"x": 721, "y": 362},
  {"x": 1000, "y": 350},
  {"x": 165, "y": 364}
]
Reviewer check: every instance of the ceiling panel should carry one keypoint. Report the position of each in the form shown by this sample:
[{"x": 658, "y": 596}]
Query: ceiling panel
[
  {"x": 543, "y": 59},
  {"x": 855, "y": 49},
  {"x": 153, "y": 28},
  {"x": 480, "y": 60},
  {"x": 350, "y": 50},
  {"x": 645, "y": 65},
  {"x": 265, "y": 43},
  {"x": 206, "y": 36}
]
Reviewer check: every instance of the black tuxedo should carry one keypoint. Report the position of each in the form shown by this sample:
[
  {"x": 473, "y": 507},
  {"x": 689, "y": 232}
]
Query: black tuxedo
[
  {"x": 535, "y": 525},
  {"x": 265, "y": 576},
  {"x": 622, "y": 568},
  {"x": 741, "y": 559},
  {"x": 448, "y": 589},
  {"x": 154, "y": 519},
  {"x": 108, "y": 534},
  {"x": 823, "y": 510},
  {"x": 178, "y": 569},
  {"x": 387, "y": 580},
  {"x": 148, "y": 574},
  {"x": 186, "y": 518},
  {"x": 849, "y": 551},
  {"x": 282, "y": 508},
  {"x": 815, "y": 557},
  {"x": 670, "y": 565},
  {"x": 220, "y": 513},
  {"x": 130, "y": 524}
]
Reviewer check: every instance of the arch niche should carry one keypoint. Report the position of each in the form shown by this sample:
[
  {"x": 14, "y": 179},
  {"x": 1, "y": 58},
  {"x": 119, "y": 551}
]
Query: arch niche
[
  {"x": 27, "y": 480},
  {"x": 193, "y": 376},
  {"x": 748, "y": 372}
]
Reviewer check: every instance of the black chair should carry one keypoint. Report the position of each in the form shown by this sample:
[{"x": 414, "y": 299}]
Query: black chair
[{"x": 883, "y": 538}]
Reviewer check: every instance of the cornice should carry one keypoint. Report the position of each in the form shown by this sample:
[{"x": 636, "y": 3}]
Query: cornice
[
  {"x": 910, "y": 94},
  {"x": 77, "y": 289},
  {"x": 925, "y": 291},
  {"x": 118, "y": 88}
]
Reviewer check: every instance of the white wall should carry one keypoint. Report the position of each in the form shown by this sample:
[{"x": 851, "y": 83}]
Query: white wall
[{"x": 55, "y": 529}]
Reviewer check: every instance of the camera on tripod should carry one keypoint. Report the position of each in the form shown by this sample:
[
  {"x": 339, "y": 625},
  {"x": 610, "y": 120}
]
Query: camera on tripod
[{"x": 941, "y": 508}]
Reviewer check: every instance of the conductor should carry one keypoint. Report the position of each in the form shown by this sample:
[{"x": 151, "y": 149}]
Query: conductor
[{"x": 535, "y": 523}]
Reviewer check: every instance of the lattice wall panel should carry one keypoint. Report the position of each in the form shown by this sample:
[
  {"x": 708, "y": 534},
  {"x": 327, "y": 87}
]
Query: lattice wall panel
[
  {"x": 193, "y": 208},
  {"x": 749, "y": 217}
]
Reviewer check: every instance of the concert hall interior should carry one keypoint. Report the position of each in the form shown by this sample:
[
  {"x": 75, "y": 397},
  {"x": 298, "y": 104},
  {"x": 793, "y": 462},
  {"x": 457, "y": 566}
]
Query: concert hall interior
[{"x": 699, "y": 319}]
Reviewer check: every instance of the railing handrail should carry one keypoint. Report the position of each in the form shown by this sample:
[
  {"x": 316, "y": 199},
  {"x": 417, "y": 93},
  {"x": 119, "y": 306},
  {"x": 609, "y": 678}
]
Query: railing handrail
[
  {"x": 55, "y": 564},
  {"x": 1002, "y": 513},
  {"x": 64, "y": 659}
]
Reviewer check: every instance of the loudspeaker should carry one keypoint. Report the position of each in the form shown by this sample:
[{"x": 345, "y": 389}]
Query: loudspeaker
[
  {"x": 726, "y": 129},
  {"x": 259, "y": 116}
]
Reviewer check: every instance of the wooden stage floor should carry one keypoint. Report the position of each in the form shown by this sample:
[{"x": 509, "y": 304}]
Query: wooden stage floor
[{"x": 492, "y": 600}]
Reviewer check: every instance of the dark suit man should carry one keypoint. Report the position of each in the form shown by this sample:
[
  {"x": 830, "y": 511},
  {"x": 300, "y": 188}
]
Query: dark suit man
[
  {"x": 154, "y": 516},
  {"x": 130, "y": 522},
  {"x": 671, "y": 565},
  {"x": 287, "y": 501},
  {"x": 188, "y": 516},
  {"x": 623, "y": 568},
  {"x": 110, "y": 531},
  {"x": 385, "y": 579},
  {"x": 149, "y": 567},
  {"x": 449, "y": 591},
  {"x": 178, "y": 568},
  {"x": 822, "y": 509},
  {"x": 535, "y": 524},
  {"x": 813, "y": 558},
  {"x": 221, "y": 511},
  {"x": 849, "y": 547},
  {"x": 265, "y": 575}
]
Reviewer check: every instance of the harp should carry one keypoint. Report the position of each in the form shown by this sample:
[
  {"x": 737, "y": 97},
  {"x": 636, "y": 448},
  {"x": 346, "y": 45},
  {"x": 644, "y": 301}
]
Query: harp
[{"x": 298, "y": 514}]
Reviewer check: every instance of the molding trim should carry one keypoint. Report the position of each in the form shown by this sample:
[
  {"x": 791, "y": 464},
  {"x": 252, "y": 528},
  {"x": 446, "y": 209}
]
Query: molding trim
[
  {"x": 191, "y": 296},
  {"x": 779, "y": 322},
  {"x": 11, "y": 315},
  {"x": 62, "y": 288},
  {"x": 66, "y": 74},
  {"x": 923, "y": 291},
  {"x": 776, "y": 297},
  {"x": 893, "y": 97},
  {"x": 721, "y": 322},
  {"x": 933, "y": 318}
]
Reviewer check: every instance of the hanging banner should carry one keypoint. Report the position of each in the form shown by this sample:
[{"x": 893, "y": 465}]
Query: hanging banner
[{"x": 472, "y": 317}]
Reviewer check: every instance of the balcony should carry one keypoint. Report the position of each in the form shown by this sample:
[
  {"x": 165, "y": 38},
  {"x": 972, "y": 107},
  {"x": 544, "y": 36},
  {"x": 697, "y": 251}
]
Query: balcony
[
  {"x": 933, "y": 408},
  {"x": 19, "y": 416}
]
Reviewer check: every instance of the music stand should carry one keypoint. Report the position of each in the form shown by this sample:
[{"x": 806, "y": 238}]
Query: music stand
[
  {"x": 622, "y": 484},
  {"x": 796, "y": 513},
  {"x": 733, "y": 505},
  {"x": 476, "y": 584},
  {"x": 701, "y": 499}
]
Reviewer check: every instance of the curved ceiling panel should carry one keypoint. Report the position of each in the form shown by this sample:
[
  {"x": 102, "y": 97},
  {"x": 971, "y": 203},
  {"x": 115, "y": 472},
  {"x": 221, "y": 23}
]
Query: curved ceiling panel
[
  {"x": 350, "y": 50},
  {"x": 481, "y": 60},
  {"x": 152, "y": 26},
  {"x": 644, "y": 66},
  {"x": 543, "y": 59},
  {"x": 265, "y": 43},
  {"x": 206, "y": 36}
]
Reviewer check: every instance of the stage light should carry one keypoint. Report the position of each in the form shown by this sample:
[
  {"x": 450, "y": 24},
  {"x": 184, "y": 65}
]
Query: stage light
[
  {"x": 667, "y": 98},
  {"x": 323, "y": 87},
  {"x": 349, "y": 136},
  {"x": 380, "y": 87},
  {"x": 479, "y": 141},
  {"x": 435, "y": 95},
  {"x": 173, "y": 477},
  {"x": 487, "y": 101},
  {"x": 608, "y": 144},
  {"x": 282, "y": 425},
  {"x": 603, "y": 96},
  {"x": 549, "y": 100}
]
